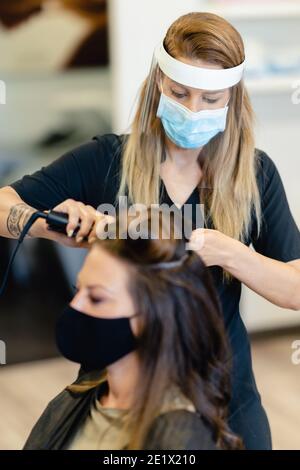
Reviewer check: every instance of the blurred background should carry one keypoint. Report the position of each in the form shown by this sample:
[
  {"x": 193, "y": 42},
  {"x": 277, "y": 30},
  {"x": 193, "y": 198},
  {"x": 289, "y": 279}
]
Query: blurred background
[{"x": 71, "y": 69}]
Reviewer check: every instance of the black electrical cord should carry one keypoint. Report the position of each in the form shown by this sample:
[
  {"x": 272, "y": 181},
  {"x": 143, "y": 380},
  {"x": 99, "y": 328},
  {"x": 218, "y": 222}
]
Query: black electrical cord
[
  {"x": 56, "y": 221},
  {"x": 29, "y": 223}
]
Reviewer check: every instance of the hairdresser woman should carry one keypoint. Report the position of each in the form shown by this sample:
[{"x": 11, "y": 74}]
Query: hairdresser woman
[{"x": 191, "y": 142}]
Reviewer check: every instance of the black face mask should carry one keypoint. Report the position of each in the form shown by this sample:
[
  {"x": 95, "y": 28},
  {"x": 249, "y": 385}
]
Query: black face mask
[{"x": 95, "y": 343}]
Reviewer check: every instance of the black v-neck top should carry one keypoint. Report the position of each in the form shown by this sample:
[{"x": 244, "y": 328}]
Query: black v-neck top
[{"x": 90, "y": 173}]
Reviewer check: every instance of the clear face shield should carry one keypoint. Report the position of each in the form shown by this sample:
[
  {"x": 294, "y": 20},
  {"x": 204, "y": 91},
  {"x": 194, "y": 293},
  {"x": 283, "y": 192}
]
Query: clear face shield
[
  {"x": 151, "y": 92},
  {"x": 189, "y": 75}
]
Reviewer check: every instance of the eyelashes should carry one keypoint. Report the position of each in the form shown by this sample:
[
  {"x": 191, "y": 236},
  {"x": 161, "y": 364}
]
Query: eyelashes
[
  {"x": 94, "y": 300},
  {"x": 180, "y": 96},
  {"x": 210, "y": 100}
]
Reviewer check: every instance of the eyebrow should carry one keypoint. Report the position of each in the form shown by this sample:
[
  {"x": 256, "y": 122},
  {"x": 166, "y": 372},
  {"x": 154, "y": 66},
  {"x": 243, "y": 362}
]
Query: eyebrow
[
  {"x": 94, "y": 286},
  {"x": 217, "y": 92},
  {"x": 207, "y": 92}
]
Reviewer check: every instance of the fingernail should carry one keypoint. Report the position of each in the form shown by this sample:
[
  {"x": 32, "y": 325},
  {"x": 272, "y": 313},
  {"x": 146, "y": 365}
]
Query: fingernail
[
  {"x": 79, "y": 239},
  {"x": 92, "y": 240},
  {"x": 70, "y": 233}
]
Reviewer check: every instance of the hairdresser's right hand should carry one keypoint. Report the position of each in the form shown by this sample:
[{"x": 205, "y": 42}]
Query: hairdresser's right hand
[{"x": 76, "y": 211}]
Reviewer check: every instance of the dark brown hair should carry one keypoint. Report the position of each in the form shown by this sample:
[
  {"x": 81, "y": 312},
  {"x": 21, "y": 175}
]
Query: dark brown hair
[{"x": 182, "y": 339}]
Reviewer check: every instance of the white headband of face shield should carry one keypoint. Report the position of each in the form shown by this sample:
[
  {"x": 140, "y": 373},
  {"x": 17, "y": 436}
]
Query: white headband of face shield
[{"x": 197, "y": 77}]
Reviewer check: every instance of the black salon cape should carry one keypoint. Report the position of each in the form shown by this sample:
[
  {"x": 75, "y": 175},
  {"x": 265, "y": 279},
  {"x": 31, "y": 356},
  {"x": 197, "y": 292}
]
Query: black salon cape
[
  {"x": 172, "y": 430},
  {"x": 90, "y": 173}
]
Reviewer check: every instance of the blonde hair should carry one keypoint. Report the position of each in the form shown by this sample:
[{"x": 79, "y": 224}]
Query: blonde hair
[{"x": 229, "y": 166}]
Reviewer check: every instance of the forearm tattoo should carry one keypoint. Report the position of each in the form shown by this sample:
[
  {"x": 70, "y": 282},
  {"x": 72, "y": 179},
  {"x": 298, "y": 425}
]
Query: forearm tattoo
[{"x": 17, "y": 218}]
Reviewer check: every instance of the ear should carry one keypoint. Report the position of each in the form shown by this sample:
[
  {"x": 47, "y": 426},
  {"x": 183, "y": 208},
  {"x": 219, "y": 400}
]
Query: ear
[{"x": 135, "y": 325}]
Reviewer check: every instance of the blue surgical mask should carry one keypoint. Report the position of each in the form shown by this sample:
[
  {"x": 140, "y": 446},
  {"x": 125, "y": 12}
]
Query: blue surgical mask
[{"x": 186, "y": 128}]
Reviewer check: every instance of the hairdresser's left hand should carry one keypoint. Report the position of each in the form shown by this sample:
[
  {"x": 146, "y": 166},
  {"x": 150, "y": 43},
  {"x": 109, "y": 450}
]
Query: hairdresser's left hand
[{"x": 213, "y": 246}]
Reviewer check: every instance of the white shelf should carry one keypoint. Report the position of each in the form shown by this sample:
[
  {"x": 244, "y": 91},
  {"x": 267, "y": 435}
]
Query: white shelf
[
  {"x": 272, "y": 84},
  {"x": 263, "y": 10}
]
